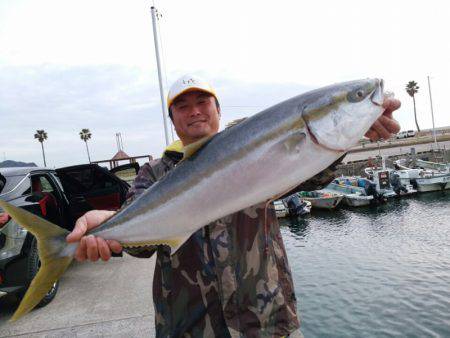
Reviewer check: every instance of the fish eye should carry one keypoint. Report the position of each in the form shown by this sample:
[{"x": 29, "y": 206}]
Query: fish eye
[{"x": 356, "y": 95}]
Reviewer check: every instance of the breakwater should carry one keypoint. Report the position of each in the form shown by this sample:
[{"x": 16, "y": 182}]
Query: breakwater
[{"x": 351, "y": 166}]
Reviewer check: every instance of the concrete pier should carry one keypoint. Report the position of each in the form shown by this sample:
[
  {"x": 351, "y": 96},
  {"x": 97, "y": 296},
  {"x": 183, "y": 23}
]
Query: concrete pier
[{"x": 102, "y": 299}]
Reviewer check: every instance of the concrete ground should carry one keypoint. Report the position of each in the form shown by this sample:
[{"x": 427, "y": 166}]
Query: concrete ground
[
  {"x": 111, "y": 299},
  {"x": 395, "y": 150}
]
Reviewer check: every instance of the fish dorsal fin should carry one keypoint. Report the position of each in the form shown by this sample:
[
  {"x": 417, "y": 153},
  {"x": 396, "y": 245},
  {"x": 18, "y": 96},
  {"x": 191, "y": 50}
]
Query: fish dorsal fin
[{"x": 192, "y": 148}]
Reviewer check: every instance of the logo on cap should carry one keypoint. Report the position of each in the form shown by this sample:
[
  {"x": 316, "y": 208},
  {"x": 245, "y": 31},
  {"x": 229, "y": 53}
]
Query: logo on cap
[{"x": 190, "y": 81}]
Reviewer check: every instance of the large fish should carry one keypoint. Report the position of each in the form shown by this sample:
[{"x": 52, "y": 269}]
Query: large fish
[{"x": 266, "y": 155}]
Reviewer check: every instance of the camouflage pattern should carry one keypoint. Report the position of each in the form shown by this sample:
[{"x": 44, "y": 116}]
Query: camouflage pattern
[{"x": 229, "y": 279}]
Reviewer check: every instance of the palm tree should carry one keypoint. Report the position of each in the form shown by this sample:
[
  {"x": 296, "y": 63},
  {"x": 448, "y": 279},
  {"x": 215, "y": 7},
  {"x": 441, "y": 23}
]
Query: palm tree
[
  {"x": 41, "y": 136},
  {"x": 412, "y": 88},
  {"x": 85, "y": 135}
]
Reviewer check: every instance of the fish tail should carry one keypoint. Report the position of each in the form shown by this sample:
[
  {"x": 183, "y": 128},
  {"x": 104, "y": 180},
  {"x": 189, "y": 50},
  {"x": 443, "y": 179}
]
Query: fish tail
[{"x": 54, "y": 253}]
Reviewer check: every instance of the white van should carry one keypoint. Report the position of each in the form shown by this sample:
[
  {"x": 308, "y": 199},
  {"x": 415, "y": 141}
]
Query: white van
[
  {"x": 402, "y": 134},
  {"x": 411, "y": 133},
  {"x": 405, "y": 134}
]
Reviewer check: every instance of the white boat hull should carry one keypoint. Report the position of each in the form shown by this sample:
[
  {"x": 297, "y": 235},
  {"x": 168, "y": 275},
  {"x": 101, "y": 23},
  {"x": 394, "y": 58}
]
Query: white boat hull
[
  {"x": 436, "y": 183},
  {"x": 425, "y": 187},
  {"x": 357, "y": 201},
  {"x": 324, "y": 202},
  {"x": 353, "y": 196}
]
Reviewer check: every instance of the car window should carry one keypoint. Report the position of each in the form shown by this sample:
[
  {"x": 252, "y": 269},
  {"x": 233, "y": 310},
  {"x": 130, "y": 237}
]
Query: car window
[
  {"x": 102, "y": 180},
  {"x": 27, "y": 191},
  {"x": 56, "y": 179},
  {"x": 45, "y": 184},
  {"x": 78, "y": 181},
  {"x": 127, "y": 175},
  {"x": 75, "y": 182},
  {"x": 10, "y": 183},
  {"x": 126, "y": 172}
]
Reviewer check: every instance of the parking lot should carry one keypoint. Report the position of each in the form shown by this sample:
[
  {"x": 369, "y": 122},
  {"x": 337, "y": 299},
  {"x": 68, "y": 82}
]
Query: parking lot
[{"x": 99, "y": 299}]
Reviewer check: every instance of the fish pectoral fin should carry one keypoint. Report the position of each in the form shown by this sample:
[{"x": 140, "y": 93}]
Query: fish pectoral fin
[
  {"x": 293, "y": 142},
  {"x": 192, "y": 148}
]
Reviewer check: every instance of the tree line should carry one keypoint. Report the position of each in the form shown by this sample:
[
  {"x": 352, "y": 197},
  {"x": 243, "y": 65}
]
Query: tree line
[{"x": 41, "y": 136}]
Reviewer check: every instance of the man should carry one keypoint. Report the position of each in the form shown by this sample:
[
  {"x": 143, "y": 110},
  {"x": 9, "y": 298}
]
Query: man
[{"x": 231, "y": 278}]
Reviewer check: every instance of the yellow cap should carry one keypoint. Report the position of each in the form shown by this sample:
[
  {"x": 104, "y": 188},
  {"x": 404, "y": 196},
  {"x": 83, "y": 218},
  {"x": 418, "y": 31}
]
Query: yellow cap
[{"x": 188, "y": 83}]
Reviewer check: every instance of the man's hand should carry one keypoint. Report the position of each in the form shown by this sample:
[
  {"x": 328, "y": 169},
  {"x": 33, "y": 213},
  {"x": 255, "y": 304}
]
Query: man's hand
[
  {"x": 386, "y": 125},
  {"x": 92, "y": 247}
]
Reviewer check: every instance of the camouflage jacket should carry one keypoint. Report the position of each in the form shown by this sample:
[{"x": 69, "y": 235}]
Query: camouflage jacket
[{"x": 229, "y": 279}]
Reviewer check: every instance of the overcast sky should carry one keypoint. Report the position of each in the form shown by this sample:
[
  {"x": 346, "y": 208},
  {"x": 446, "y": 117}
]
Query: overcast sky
[{"x": 67, "y": 65}]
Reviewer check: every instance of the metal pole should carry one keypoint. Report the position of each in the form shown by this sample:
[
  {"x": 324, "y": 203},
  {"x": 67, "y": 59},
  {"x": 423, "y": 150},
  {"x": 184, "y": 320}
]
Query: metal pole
[
  {"x": 171, "y": 131},
  {"x": 432, "y": 114},
  {"x": 158, "y": 63}
]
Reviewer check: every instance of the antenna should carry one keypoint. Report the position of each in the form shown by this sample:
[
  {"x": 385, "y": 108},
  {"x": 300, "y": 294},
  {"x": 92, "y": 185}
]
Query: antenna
[{"x": 119, "y": 141}]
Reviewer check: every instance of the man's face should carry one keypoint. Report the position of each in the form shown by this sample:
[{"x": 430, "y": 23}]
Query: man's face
[{"x": 195, "y": 115}]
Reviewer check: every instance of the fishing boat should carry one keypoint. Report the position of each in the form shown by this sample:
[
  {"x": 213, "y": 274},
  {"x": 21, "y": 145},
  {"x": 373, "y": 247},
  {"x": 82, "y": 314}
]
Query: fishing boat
[
  {"x": 291, "y": 207},
  {"x": 296, "y": 206},
  {"x": 354, "y": 196},
  {"x": 322, "y": 199},
  {"x": 429, "y": 176},
  {"x": 434, "y": 177},
  {"x": 432, "y": 181},
  {"x": 388, "y": 182},
  {"x": 439, "y": 167}
]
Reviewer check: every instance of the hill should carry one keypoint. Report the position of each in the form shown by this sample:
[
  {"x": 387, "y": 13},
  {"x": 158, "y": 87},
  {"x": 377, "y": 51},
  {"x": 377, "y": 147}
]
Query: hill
[{"x": 14, "y": 164}]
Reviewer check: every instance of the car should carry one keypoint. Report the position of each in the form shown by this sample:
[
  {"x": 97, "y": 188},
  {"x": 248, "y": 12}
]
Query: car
[
  {"x": 405, "y": 134},
  {"x": 402, "y": 134},
  {"x": 60, "y": 196},
  {"x": 411, "y": 133}
]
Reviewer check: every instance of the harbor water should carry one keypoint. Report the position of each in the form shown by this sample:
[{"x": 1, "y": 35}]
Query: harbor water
[{"x": 375, "y": 271}]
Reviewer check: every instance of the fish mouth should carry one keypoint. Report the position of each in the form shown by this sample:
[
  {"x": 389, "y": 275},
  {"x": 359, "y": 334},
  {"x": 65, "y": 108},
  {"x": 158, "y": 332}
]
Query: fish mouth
[{"x": 377, "y": 97}]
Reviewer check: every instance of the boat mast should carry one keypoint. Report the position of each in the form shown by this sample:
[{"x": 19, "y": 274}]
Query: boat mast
[
  {"x": 158, "y": 63},
  {"x": 432, "y": 114}
]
